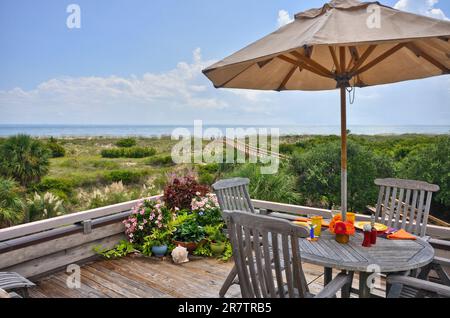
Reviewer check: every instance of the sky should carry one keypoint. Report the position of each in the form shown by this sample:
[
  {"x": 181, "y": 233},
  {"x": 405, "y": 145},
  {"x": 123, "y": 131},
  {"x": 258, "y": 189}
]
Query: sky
[{"x": 139, "y": 62}]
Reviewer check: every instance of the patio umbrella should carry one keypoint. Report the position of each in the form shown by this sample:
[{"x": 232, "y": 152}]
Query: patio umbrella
[{"x": 346, "y": 43}]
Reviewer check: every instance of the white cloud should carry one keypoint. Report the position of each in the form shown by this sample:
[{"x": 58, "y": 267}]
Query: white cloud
[
  {"x": 424, "y": 7},
  {"x": 284, "y": 18},
  {"x": 181, "y": 92},
  {"x": 180, "y": 85}
]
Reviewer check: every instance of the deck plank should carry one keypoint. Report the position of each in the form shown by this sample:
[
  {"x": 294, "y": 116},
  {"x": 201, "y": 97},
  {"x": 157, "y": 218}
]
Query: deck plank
[{"x": 133, "y": 277}]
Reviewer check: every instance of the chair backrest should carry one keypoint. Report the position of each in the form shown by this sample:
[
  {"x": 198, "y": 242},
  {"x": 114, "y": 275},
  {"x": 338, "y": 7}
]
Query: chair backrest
[
  {"x": 404, "y": 204},
  {"x": 267, "y": 255},
  {"x": 232, "y": 194}
]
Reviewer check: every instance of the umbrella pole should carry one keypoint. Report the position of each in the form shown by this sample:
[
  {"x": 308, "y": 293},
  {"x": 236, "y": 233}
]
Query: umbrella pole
[{"x": 343, "y": 153}]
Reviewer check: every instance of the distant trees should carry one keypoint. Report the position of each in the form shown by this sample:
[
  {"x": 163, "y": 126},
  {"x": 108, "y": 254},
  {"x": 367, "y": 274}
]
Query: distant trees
[
  {"x": 24, "y": 159},
  {"x": 432, "y": 164},
  {"x": 318, "y": 171}
]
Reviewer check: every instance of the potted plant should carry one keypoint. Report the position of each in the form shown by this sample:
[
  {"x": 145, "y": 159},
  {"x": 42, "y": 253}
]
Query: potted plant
[
  {"x": 157, "y": 243},
  {"x": 216, "y": 239},
  {"x": 187, "y": 232}
]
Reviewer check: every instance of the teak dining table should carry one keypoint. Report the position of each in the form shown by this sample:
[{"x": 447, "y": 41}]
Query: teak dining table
[{"x": 387, "y": 256}]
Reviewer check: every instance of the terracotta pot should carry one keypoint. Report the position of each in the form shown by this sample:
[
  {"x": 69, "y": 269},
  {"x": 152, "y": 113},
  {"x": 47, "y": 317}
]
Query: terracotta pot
[
  {"x": 190, "y": 246},
  {"x": 342, "y": 238}
]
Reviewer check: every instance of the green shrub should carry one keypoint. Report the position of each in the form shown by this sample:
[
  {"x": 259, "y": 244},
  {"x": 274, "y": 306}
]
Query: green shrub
[
  {"x": 134, "y": 152},
  {"x": 318, "y": 171},
  {"x": 126, "y": 143},
  {"x": 139, "y": 152},
  {"x": 25, "y": 159},
  {"x": 44, "y": 206},
  {"x": 11, "y": 205},
  {"x": 287, "y": 149},
  {"x": 431, "y": 164},
  {"x": 58, "y": 184},
  {"x": 160, "y": 161},
  {"x": 56, "y": 150},
  {"x": 278, "y": 187},
  {"x": 207, "y": 174},
  {"x": 104, "y": 164},
  {"x": 70, "y": 163},
  {"x": 126, "y": 176},
  {"x": 206, "y": 178}
]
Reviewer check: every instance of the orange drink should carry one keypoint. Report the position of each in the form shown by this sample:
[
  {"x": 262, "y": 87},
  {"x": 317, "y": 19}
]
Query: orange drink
[
  {"x": 317, "y": 222},
  {"x": 351, "y": 217}
]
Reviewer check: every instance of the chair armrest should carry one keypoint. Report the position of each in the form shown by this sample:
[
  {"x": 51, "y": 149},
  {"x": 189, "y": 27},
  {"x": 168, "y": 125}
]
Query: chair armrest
[
  {"x": 442, "y": 261},
  {"x": 334, "y": 286},
  {"x": 419, "y": 284}
]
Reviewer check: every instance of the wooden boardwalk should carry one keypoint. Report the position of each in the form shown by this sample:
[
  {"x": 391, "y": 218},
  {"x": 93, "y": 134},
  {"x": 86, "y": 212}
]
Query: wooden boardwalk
[{"x": 138, "y": 277}]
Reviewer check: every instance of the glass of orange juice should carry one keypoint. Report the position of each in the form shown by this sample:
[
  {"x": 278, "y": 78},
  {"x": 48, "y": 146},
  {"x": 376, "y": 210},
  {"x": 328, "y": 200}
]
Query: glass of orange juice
[
  {"x": 351, "y": 217},
  {"x": 317, "y": 222}
]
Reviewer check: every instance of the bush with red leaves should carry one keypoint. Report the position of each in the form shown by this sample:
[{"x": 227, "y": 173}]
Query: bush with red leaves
[{"x": 181, "y": 190}]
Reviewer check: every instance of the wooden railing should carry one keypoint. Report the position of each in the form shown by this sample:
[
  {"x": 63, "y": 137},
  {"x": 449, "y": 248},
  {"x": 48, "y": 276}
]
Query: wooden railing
[
  {"x": 39, "y": 247},
  {"x": 36, "y": 248}
]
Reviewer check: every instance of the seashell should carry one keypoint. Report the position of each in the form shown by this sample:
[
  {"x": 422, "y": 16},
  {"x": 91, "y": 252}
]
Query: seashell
[{"x": 180, "y": 255}]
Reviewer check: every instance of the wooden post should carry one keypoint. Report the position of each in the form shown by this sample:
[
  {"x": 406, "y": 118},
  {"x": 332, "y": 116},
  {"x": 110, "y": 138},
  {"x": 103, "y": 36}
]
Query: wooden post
[{"x": 343, "y": 153}]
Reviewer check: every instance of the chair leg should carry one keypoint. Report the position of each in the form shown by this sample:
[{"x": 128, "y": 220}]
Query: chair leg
[
  {"x": 228, "y": 282},
  {"x": 347, "y": 289},
  {"x": 443, "y": 276},
  {"x": 328, "y": 275}
]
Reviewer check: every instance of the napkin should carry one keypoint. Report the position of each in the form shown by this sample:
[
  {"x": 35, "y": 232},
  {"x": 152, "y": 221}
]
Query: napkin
[{"x": 401, "y": 235}]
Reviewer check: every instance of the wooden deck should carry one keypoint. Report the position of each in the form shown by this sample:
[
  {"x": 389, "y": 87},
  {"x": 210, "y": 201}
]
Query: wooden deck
[{"x": 139, "y": 277}]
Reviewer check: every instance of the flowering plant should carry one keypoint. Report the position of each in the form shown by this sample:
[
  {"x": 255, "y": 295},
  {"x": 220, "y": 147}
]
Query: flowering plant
[
  {"x": 181, "y": 190},
  {"x": 339, "y": 227},
  {"x": 207, "y": 209},
  {"x": 146, "y": 216}
]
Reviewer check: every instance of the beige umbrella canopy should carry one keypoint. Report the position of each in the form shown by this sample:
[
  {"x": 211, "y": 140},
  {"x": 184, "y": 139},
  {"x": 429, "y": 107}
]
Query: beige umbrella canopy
[{"x": 345, "y": 43}]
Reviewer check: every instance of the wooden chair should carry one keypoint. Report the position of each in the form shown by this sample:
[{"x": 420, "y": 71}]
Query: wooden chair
[
  {"x": 409, "y": 287},
  {"x": 232, "y": 194},
  {"x": 267, "y": 256},
  {"x": 404, "y": 204},
  {"x": 14, "y": 281}
]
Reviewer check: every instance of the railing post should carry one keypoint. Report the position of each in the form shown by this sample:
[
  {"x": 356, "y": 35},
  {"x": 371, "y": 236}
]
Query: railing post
[{"x": 87, "y": 227}]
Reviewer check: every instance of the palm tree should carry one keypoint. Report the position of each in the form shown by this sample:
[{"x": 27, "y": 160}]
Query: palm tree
[
  {"x": 11, "y": 206},
  {"x": 23, "y": 158}
]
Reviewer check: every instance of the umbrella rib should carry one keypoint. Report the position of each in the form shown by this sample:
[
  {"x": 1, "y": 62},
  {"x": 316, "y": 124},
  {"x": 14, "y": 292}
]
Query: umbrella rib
[
  {"x": 232, "y": 78},
  {"x": 312, "y": 63},
  {"x": 335, "y": 60},
  {"x": 286, "y": 79},
  {"x": 343, "y": 58},
  {"x": 264, "y": 63},
  {"x": 355, "y": 56},
  {"x": 379, "y": 59},
  {"x": 304, "y": 66},
  {"x": 420, "y": 53},
  {"x": 363, "y": 58}
]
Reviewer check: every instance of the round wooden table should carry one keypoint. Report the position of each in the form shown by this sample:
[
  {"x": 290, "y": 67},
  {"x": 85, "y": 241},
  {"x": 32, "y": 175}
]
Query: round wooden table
[{"x": 387, "y": 256}]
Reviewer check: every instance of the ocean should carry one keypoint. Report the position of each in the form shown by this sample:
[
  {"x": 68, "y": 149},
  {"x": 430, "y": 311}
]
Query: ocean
[{"x": 156, "y": 131}]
